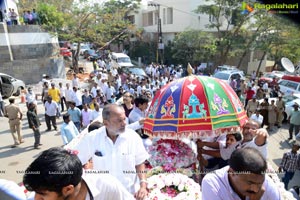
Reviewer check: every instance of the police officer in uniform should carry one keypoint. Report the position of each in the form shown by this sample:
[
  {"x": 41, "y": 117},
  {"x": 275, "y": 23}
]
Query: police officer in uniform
[
  {"x": 280, "y": 110},
  {"x": 14, "y": 114}
]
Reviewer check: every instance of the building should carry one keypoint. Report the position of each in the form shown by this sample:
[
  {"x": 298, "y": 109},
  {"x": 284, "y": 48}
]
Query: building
[
  {"x": 176, "y": 16},
  {"x": 179, "y": 15}
]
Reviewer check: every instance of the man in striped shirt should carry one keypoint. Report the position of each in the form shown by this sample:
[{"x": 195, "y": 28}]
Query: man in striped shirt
[{"x": 289, "y": 164}]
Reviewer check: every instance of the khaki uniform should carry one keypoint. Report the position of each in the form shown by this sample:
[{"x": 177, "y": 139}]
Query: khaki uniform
[
  {"x": 251, "y": 107},
  {"x": 272, "y": 111},
  {"x": 280, "y": 108},
  {"x": 14, "y": 114}
]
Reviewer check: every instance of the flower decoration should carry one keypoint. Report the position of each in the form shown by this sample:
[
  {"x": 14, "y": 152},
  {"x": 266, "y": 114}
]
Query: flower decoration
[
  {"x": 171, "y": 154},
  {"x": 173, "y": 186},
  {"x": 72, "y": 152}
]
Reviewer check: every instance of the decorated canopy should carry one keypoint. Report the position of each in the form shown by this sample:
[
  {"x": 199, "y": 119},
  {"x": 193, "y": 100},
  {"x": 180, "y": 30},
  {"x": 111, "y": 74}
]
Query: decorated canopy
[{"x": 194, "y": 107}]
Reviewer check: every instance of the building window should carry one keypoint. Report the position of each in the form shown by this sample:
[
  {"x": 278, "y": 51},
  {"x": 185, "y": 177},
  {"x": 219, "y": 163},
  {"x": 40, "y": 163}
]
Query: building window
[
  {"x": 169, "y": 15},
  {"x": 148, "y": 19}
]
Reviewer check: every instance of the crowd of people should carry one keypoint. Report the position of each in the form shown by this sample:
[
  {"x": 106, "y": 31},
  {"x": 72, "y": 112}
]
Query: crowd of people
[
  {"x": 11, "y": 17},
  {"x": 113, "y": 109}
]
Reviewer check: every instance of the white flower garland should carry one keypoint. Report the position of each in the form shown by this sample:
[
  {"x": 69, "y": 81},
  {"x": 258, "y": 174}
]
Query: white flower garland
[{"x": 187, "y": 188}]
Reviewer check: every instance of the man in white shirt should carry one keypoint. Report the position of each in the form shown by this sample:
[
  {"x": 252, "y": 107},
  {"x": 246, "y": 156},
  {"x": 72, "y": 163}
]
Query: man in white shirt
[
  {"x": 10, "y": 190},
  {"x": 137, "y": 114},
  {"x": 110, "y": 91},
  {"x": 62, "y": 92},
  {"x": 75, "y": 81},
  {"x": 265, "y": 87},
  {"x": 244, "y": 178},
  {"x": 30, "y": 97},
  {"x": 68, "y": 95},
  {"x": 61, "y": 177},
  {"x": 117, "y": 150},
  {"x": 95, "y": 113},
  {"x": 77, "y": 98},
  {"x": 103, "y": 85},
  {"x": 253, "y": 136},
  {"x": 51, "y": 110},
  {"x": 94, "y": 89},
  {"x": 257, "y": 116}
]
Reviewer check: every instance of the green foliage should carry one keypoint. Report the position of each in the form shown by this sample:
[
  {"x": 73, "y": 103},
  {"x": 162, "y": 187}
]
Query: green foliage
[
  {"x": 193, "y": 46},
  {"x": 145, "y": 50},
  {"x": 238, "y": 33},
  {"x": 50, "y": 18}
]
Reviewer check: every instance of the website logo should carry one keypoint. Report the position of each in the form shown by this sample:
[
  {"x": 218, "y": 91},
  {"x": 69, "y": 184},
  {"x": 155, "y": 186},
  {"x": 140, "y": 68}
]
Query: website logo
[
  {"x": 246, "y": 8},
  {"x": 281, "y": 8}
]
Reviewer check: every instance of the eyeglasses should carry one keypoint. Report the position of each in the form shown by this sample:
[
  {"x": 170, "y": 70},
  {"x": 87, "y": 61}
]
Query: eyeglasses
[{"x": 127, "y": 96}]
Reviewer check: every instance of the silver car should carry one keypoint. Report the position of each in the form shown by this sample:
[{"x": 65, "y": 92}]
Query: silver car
[{"x": 10, "y": 85}]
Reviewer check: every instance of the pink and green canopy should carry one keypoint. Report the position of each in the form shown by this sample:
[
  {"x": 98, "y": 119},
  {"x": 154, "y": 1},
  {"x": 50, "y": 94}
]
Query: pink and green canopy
[{"x": 194, "y": 107}]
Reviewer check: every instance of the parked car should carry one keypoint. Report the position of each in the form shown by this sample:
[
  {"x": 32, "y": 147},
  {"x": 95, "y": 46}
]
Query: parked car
[
  {"x": 11, "y": 86},
  {"x": 289, "y": 84},
  {"x": 94, "y": 57},
  {"x": 83, "y": 47},
  {"x": 228, "y": 74},
  {"x": 65, "y": 52},
  {"x": 138, "y": 71},
  {"x": 119, "y": 60},
  {"x": 226, "y": 68}
]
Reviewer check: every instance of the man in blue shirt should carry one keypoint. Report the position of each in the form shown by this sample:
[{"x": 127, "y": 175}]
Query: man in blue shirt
[
  {"x": 68, "y": 129},
  {"x": 75, "y": 115}
]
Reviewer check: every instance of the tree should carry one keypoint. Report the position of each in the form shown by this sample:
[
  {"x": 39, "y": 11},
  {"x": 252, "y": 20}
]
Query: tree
[
  {"x": 238, "y": 33},
  {"x": 228, "y": 22},
  {"x": 193, "y": 46},
  {"x": 86, "y": 22}
]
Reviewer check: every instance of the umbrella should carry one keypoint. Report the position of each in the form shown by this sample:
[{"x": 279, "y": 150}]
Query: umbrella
[{"x": 194, "y": 107}]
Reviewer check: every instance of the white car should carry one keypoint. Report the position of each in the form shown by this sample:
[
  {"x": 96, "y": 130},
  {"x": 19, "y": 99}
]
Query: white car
[
  {"x": 228, "y": 74},
  {"x": 119, "y": 60},
  {"x": 289, "y": 84},
  {"x": 11, "y": 86}
]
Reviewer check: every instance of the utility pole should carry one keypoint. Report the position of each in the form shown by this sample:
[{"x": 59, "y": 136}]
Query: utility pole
[{"x": 160, "y": 44}]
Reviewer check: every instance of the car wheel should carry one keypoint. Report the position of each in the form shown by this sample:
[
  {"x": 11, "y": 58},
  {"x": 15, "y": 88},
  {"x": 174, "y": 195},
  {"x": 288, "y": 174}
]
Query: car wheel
[{"x": 18, "y": 92}]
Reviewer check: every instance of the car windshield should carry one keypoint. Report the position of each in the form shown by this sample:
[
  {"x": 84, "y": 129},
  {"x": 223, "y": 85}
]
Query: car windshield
[
  {"x": 269, "y": 75},
  {"x": 221, "y": 75},
  {"x": 124, "y": 60},
  {"x": 289, "y": 98}
]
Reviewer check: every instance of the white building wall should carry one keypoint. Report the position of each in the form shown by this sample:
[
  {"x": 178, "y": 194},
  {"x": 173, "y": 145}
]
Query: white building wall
[{"x": 184, "y": 17}]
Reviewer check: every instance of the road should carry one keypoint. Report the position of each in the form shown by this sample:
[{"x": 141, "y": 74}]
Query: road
[{"x": 15, "y": 160}]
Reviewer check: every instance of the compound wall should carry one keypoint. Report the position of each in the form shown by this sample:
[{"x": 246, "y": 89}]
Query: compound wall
[{"x": 27, "y": 52}]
